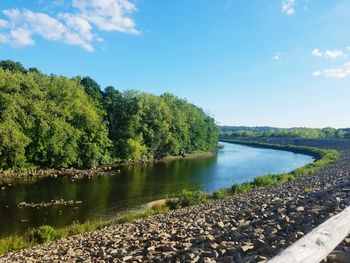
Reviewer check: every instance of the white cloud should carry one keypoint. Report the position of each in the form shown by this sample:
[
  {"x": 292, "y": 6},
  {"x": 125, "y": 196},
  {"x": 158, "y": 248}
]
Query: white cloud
[
  {"x": 277, "y": 56},
  {"x": 44, "y": 25},
  {"x": 288, "y": 7},
  {"x": 108, "y": 15},
  {"x": 4, "y": 39},
  {"x": 79, "y": 24},
  {"x": 12, "y": 13},
  {"x": 348, "y": 48},
  {"x": 75, "y": 39},
  {"x": 317, "y": 73},
  {"x": 24, "y": 24},
  {"x": 334, "y": 54},
  {"x": 22, "y": 37},
  {"x": 18, "y": 37},
  {"x": 316, "y": 53},
  {"x": 340, "y": 72},
  {"x": 74, "y": 28},
  {"x": 331, "y": 54},
  {"x": 3, "y": 23}
]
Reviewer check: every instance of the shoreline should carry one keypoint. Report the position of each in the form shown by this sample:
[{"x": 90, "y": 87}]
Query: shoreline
[
  {"x": 245, "y": 227},
  {"x": 158, "y": 206},
  {"x": 8, "y": 177}
]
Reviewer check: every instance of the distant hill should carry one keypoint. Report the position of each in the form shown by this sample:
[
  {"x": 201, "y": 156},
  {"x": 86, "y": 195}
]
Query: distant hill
[
  {"x": 246, "y": 128},
  {"x": 299, "y": 132}
]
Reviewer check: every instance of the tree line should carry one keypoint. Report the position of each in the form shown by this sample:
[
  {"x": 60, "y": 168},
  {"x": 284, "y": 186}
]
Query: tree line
[
  {"x": 55, "y": 121},
  {"x": 311, "y": 133}
]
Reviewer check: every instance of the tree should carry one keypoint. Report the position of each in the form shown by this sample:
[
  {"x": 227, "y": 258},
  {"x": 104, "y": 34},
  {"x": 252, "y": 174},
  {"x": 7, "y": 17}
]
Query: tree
[
  {"x": 12, "y": 66},
  {"x": 55, "y": 122},
  {"x": 92, "y": 88}
]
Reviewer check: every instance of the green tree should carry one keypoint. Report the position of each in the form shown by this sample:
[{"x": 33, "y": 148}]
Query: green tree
[
  {"x": 58, "y": 123},
  {"x": 53, "y": 121},
  {"x": 92, "y": 88},
  {"x": 12, "y": 66}
]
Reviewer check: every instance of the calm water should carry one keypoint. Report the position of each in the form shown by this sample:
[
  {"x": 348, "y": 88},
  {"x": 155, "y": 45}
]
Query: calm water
[{"x": 136, "y": 185}]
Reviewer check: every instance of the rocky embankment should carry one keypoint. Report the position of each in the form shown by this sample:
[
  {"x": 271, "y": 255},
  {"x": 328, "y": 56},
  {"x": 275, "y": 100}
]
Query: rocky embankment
[{"x": 247, "y": 228}]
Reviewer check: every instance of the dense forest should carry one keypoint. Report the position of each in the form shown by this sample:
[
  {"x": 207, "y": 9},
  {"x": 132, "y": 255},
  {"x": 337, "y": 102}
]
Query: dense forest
[
  {"x": 55, "y": 121},
  {"x": 326, "y": 133}
]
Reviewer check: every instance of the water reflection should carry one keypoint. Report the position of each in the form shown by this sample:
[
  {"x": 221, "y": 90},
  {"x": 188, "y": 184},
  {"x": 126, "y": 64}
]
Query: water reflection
[{"x": 136, "y": 185}]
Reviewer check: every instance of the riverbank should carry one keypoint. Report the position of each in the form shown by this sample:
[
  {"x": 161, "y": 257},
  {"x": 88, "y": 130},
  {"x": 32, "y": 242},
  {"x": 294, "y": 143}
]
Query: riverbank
[
  {"x": 254, "y": 225},
  {"x": 9, "y": 176}
]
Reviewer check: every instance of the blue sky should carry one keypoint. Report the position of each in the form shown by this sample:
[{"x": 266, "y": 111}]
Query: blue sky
[{"x": 246, "y": 62}]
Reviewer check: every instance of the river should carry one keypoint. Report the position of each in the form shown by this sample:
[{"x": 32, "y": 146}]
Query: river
[{"x": 105, "y": 196}]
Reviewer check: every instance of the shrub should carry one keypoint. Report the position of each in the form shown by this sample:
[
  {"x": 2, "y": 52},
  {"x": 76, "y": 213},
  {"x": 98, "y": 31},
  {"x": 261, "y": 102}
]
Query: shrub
[
  {"x": 220, "y": 194},
  {"x": 261, "y": 181},
  {"x": 45, "y": 234},
  {"x": 241, "y": 188},
  {"x": 157, "y": 209},
  {"x": 186, "y": 198}
]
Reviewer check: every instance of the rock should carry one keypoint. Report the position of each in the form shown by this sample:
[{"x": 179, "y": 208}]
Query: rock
[
  {"x": 300, "y": 209},
  {"x": 247, "y": 246},
  {"x": 227, "y": 245},
  {"x": 117, "y": 252},
  {"x": 151, "y": 249},
  {"x": 210, "y": 237},
  {"x": 215, "y": 254},
  {"x": 220, "y": 224},
  {"x": 208, "y": 260},
  {"x": 339, "y": 257},
  {"x": 70, "y": 252},
  {"x": 347, "y": 240},
  {"x": 190, "y": 256},
  {"x": 127, "y": 258},
  {"x": 261, "y": 259},
  {"x": 259, "y": 243},
  {"x": 101, "y": 253},
  {"x": 60, "y": 202},
  {"x": 214, "y": 245}
]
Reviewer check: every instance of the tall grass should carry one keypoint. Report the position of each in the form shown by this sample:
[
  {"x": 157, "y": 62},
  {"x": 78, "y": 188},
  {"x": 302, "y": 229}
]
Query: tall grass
[
  {"x": 186, "y": 198},
  {"x": 44, "y": 234},
  {"x": 14, "y": 243}
]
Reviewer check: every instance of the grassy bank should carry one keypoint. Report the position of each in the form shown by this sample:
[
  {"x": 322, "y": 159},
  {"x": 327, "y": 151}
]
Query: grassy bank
[
  {"x": 47, "y": 233},
  {"x": 186, "y": 198},
  {"x": 323, "y": 157}
]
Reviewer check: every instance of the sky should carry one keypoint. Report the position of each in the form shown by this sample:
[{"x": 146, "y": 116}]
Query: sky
[{"x": 245, "y": 62}]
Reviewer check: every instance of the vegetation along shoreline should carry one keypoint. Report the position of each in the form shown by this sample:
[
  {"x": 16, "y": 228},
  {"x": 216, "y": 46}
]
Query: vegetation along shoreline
[
  {"x": 9, "y": 177},
  {"x": 54, "y": 123}
]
